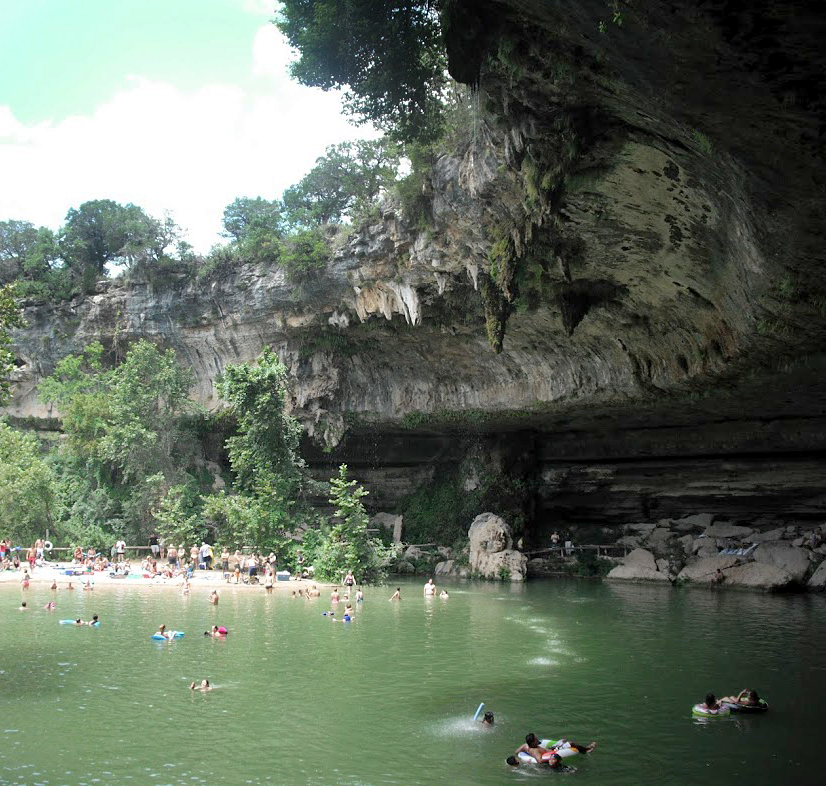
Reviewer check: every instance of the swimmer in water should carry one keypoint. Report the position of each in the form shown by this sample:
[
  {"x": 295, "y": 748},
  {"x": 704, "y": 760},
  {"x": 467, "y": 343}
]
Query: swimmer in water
[
  {"x": 348, "y": 609},
  {"x": 204, "y": 686},
  {"x": 443, "y": 595},
  {"x": 23, "y": 606},
  {"x": 359, "y": 596},
  {"x": 213, "y": 597},
  {"x": 488, "y": 719},
  {"x": 50, "y": 606},
  {"x": 397, "y": 595}
]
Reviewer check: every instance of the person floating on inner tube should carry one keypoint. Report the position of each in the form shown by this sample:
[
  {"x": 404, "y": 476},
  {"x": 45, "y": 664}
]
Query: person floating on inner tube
[
  {"x": 747, "y": 698},
  {"x": 711, "y": 703},
  {"x": 533, "y": 748}
]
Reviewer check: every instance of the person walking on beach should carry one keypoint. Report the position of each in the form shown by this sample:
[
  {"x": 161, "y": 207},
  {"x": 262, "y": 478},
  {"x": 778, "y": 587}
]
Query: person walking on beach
[
  {"x": 120, "y": 549},
  {"x": 172, "y": 555},
  {"x": 153, "y": 545}
]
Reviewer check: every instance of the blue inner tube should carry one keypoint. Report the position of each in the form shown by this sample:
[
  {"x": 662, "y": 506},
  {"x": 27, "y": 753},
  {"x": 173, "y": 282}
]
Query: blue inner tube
[{"x": 176, "y": 634}]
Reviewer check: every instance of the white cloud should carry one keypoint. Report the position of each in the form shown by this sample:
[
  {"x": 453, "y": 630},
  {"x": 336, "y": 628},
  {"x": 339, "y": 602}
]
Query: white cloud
[{"x": 190, "y": 152}]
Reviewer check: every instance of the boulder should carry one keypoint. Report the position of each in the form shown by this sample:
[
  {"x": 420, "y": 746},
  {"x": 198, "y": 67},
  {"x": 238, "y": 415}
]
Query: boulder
[
  {"x": 414, "y": 552},
  {"x": 793, "y": 560},
  {"x": 443, "y": 568},
  {"x": 538, "y": 567},
  {"x": 491, "y": 552},
  {"x": 631, "y": 541},
  {"x": 405, "y": 567},
  {"x": 642, "y": 529},
  {"x": 659, "y": 541},
  {"x": 636, "y": 573},
  {"x": 757, "y": 575},
  {"x": 818, "y": 579},
  {"x": 798, "y": 542},
  {"x": 703, "y": 570},
  {"x": 687, "y": 542},
  {"x": 703, "y": 543},
  {"x": 767, "y": 537},
  {"x": 641, "y": 558},
  {"x": 697, "y": 521},
  {"x": 445, "y": 551},
  {"x": 725, "y": 530},
  {"x": 662, "y": 565},
  {"x": 390, "y": 522}
]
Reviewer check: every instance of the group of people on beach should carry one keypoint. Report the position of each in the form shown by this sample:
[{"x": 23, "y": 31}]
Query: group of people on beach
[{"x": 10, "y": 555}]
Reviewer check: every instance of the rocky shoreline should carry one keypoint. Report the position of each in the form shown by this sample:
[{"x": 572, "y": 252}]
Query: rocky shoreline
[
  {"x": 694, "y": 550},
  {"x": 699, "y": 550}
]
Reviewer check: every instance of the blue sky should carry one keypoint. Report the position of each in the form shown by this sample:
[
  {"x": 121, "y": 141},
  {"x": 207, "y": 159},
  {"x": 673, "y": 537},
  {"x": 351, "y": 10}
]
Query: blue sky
[{"x": 177, "y": 105}]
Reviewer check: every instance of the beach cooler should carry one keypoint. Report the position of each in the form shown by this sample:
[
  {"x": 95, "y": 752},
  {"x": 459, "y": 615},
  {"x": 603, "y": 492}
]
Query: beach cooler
[{"x": 282, "y": 575}]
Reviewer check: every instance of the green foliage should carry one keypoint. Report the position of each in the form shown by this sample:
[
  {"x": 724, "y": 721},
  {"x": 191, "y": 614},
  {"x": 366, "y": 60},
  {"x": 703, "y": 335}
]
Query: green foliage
[
  {"x": 124, "y": 442},
  {"x": 389, "y": 56},
  {"x": 588, "y": 564},
  {"x": 264, "y": 454},
  {"x": 27, "y": 486},
  {"x": 703, "y": 142},
  {"x": 10, "y": 317},
  {"x": 345, "y": 182},
  {"x": 101, "y": 231},
  {"x": 442, "y": 511},
  {"x": 348, "y": 544},
  {"x": 305, "y": 253}
]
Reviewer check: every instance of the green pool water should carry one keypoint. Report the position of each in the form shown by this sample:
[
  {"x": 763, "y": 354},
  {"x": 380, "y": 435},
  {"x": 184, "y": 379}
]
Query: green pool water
[{"x": 388, "y": 699}]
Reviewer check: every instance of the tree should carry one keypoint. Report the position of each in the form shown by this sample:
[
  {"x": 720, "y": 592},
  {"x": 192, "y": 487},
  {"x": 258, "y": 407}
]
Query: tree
[
  {"x": 17, "y": 240},
  {"x": 27, "y": 486},
  {"x": 348, "y": 544},
  {"x": 125, "y": 440},
  {"x": 264, "y": 454},
  {"x": 389, "y": 54},
  {"x": 345, "y": 181},
  {"x": 248, "y": 216},
  {"x": 100, "y": 232},
  {"x": 256, "y": 227},
  {"x": 10, "y": 317}
]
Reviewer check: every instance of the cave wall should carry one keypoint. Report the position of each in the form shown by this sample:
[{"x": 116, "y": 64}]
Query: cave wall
[{"x": 635, "y": 216}]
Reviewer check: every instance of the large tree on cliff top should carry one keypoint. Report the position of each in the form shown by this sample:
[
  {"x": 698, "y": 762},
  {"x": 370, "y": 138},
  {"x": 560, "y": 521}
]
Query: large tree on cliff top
[{"x": 388, "y": 54}]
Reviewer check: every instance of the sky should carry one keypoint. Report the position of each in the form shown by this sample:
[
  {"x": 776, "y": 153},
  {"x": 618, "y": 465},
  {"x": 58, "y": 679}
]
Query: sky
[{"x": 173, "y": 105}]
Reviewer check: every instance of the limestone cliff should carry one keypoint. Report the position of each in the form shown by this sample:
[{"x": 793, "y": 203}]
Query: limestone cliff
[{"x": 634, "y": 221}]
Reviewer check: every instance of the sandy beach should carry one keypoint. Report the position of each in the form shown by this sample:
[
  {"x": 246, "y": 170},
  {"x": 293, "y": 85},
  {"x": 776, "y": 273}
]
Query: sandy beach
[{"x": 201, "y": 578}]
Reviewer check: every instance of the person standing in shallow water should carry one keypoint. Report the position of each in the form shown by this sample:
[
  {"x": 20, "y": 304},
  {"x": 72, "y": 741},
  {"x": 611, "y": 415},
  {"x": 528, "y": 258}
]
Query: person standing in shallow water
[
  {"x": 429, "y": 588},
  {"x": 397, "y": 595}
]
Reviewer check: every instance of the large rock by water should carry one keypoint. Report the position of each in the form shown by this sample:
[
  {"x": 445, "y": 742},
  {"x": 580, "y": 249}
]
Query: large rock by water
[
  {"x": 702, "y": 571},
  {"x": 818, "y": 579},
  {"x": 491, "y": 552},
  {"x": 794, "y": 561},
  {"x": 637, "y": 573},
  {"x": 756, "y": 575}
]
